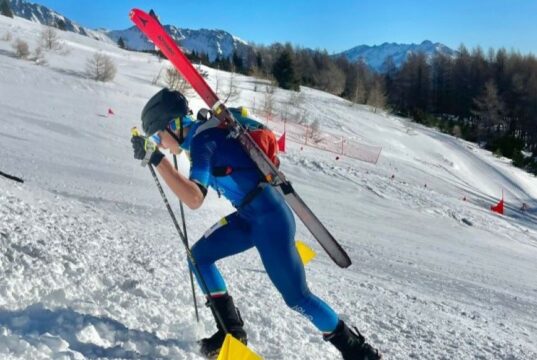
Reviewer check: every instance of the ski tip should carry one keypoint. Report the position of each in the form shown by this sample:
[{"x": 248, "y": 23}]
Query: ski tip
[{"x": 133, "y": 12}]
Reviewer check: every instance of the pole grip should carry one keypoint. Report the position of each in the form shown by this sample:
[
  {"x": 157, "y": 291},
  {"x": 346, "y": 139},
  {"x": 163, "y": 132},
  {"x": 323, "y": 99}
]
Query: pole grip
[{"x": 148, "y": 152}]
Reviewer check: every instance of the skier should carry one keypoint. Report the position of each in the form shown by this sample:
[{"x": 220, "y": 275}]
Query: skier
[{"x": 262, "y": 219}]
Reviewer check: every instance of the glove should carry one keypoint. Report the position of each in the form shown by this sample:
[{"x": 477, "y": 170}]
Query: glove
[{"x": 144, "y": 148}]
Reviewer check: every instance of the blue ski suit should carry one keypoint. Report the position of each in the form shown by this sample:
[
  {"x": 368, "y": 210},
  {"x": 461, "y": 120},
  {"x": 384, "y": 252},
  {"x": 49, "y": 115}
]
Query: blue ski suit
[{"x": 262, "y": 220}]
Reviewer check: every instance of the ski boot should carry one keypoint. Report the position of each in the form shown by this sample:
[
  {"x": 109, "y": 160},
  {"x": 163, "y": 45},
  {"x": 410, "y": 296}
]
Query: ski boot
[
  {"x": 210, "y": 347},
  {"x": 352, "y": 344}
]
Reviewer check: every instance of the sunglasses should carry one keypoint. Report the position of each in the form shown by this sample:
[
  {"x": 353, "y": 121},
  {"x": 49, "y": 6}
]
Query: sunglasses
[{"x": 173, "y": 125}]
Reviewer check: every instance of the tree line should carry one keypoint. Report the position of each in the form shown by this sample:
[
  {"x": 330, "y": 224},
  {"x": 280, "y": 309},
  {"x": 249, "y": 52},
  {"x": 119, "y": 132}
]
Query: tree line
[
  {"x": 289, "y": 67},
  {"x": 487, "y": 98}
]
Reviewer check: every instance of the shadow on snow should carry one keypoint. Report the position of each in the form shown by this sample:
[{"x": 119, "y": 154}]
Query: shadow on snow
[{"x": 30, "y": 323}]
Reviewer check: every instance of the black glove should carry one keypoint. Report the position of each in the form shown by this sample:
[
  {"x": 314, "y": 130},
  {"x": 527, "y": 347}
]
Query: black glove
[{"x": 144, "y": 148}]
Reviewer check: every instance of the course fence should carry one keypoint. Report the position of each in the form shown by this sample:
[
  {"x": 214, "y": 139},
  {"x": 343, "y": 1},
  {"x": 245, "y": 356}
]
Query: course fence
[{"x": 310, "y": 135}]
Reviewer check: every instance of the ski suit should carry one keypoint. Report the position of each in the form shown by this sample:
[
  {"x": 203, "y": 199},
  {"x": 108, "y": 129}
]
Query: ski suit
[{"x": 262, "y": 220}]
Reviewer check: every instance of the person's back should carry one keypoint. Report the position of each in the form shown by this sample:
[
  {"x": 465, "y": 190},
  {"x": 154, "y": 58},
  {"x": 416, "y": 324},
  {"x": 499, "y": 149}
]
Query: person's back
[{"x": 219, "y": 161}]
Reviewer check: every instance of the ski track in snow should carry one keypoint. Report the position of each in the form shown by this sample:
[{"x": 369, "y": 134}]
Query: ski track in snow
[{"x": 92, "y": 268}]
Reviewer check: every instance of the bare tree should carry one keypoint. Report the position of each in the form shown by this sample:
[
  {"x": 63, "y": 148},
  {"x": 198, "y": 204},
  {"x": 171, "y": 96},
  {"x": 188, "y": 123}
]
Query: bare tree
[
  {"x": 22, "y": 51},
  {"x": 296, "y": 99},
  {"x": 302, "y": 117},
  {"x": 229, "y": 91},
  {"x": 101, "y": 67},
  {"x": 489, "y": 108},
  {"x": 175, "y": 81},
  {"x": 157, "y": 78},
  {"x": 49, "y": 39},
  {"x": 268, "y": 101},
  {"x": 204, "y": 73},
  {"x": 270, "y": 88},
  {"x": 39, "y": 56},
  {"x": 377, "y": 97},
  {"x": 285, "y": 111},
  {"x": 315, "y": 131},
  {"x": 7, "y": 36},
  {"x": 331, "y": 79},
  {"x": 456, "y": 131},
  {"x": 359, "y": 95},
  {"x": 294, "y": 107}
]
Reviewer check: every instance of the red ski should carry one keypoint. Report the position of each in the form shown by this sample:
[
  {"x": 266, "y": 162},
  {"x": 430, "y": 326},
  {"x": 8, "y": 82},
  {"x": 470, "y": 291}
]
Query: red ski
[{"x": 151, "y": 27}]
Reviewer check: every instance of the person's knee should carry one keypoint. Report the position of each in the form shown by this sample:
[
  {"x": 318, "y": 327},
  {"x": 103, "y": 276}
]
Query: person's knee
[{"x": 200, "y": 253}]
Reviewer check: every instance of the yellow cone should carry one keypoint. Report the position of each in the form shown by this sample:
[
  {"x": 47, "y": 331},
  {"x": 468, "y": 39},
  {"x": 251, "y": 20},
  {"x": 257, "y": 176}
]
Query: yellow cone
[
  {"x": 305, "y": 252},
  {"x": 233, "y": 349}
]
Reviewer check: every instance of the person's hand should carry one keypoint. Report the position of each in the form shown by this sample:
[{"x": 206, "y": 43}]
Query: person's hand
[{"x": 146, "y": 150}]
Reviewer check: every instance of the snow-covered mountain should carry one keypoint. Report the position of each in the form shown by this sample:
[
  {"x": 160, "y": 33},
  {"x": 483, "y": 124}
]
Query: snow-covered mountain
[
  {"x": 218, "y": 43},
  {"x": 214, "y": 43},
  {"x": 43, "y": 15},
  {"x": 376, "y": 56}
]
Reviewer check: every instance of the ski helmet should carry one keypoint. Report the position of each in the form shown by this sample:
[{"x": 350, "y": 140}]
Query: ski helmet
[{"x": 163, "y": 107}]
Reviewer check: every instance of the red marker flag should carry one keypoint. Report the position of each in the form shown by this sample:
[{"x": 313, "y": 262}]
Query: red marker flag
[
  {"x": 498, "y": 207},
  {"x": 281, "y": 143}
]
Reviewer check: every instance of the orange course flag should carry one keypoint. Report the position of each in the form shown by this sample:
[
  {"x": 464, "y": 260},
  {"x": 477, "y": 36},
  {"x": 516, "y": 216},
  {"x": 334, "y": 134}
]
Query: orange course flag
[{"x": 233, "y": 349}]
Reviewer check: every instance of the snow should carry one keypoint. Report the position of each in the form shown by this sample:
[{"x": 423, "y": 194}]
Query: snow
[{"x": 92, "y": 268}]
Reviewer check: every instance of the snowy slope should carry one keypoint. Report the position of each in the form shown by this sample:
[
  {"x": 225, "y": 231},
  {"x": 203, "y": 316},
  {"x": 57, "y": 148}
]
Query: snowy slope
[{"x": 91, "y": 266}]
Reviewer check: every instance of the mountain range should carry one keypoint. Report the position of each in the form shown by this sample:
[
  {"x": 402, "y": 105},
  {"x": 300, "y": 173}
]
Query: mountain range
[
  {"x": 214, "y": 43},
  {"x": 219, "y": 43},
  {"x": 43, "y": 15},
  {"x": 376, "y": 56}
]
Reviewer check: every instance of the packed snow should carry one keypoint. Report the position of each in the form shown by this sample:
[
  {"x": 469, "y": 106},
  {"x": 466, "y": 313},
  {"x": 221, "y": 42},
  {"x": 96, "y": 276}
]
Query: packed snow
[{"x": 92, "y": 267}]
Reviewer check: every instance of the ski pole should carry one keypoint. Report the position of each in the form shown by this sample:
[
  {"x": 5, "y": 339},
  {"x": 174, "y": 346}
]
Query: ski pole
[
  {"x": 191, "y": 258},
  {"x": 186, "y": 237},
  {"x": 11, "y": 177}
]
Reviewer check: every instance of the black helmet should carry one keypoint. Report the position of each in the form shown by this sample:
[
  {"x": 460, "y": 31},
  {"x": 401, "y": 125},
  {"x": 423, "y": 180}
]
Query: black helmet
[{"x": 163, "y": 107}]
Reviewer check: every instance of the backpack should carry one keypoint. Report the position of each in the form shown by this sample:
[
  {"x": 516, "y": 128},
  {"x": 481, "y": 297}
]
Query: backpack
[{"x": 262, "y": 135}]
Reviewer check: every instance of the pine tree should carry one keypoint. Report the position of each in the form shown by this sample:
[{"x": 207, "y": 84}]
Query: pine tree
[
  {"x": 238, "y": 64},
  {"x": 284, "y": 71},
  {"x": 121, "y": 43},
  {"x": 60, "y": 24},
  {"x": 5, "y": 8},
  {"x": 390, "y": 73}
]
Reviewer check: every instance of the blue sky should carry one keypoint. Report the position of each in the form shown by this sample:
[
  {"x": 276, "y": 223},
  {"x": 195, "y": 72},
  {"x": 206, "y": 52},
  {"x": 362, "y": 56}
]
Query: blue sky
[{"x": 335, "y": 25}]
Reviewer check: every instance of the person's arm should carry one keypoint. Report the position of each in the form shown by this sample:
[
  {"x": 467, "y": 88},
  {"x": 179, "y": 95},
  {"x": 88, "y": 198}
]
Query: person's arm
[{"x": 187, "y": 190}]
